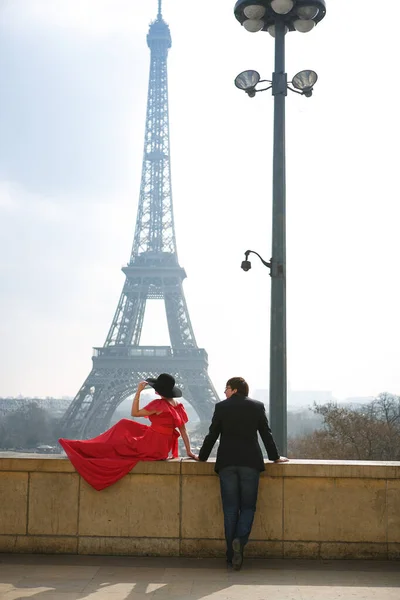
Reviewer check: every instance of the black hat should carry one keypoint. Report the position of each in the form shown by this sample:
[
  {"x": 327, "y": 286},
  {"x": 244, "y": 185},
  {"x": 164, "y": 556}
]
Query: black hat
[{"x": 165, "y": 386}]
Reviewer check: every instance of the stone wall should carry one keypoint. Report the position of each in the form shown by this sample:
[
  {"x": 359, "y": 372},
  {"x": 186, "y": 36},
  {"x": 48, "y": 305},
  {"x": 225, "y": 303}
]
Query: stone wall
[{"x": 306, "y": 509}]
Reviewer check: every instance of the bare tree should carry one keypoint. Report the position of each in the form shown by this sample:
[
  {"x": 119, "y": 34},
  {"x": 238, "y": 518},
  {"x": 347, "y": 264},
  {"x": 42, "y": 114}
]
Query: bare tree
[{"x": 368, "y": 432}]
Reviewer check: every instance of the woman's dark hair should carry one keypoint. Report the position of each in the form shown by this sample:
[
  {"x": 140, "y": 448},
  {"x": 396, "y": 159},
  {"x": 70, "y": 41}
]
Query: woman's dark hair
[{"x": 239, "y": 384}]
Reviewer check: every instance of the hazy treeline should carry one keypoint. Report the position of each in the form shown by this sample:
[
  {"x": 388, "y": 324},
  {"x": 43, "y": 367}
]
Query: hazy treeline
[{"x": 27, "y": 426}]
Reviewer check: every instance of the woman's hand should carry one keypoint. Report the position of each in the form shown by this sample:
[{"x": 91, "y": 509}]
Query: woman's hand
[
  {"x": 191, "y": 455},
  {"x": 142, "y": 385}
]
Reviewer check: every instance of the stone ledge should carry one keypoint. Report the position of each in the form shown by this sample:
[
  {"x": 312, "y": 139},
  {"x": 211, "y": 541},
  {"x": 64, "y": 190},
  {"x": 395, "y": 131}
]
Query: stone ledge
[
  {"x": 57, "y": 463},
  {"x": 310, "y": 468}
]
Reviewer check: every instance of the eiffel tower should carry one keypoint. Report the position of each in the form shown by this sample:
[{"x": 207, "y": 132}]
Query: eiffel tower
[{"x": 153, "y": 272}]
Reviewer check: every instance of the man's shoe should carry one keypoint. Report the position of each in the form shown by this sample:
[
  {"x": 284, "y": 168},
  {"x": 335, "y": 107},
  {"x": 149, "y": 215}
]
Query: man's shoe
[{"x": 237, "y": 559}]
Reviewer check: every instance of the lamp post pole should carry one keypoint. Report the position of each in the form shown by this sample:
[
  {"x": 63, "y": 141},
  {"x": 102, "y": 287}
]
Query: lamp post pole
[
  {"x": 278, "y": 361},
  {"x": 278, "y": 17}
]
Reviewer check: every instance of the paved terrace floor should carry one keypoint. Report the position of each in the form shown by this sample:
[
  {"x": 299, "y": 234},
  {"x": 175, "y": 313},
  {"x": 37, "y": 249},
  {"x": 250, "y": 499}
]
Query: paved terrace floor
[{"x": 42, "y": 577}]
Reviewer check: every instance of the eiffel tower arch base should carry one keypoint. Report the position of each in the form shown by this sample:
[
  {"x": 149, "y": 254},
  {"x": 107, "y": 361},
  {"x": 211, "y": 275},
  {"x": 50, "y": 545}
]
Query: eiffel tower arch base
[{"x": 116, "y": 373}]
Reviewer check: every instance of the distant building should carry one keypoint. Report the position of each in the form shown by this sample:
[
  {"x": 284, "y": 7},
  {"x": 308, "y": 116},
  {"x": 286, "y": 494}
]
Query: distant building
[
  {"x": 298, "y": 398},
  {"x": 357, "y": 400},
  {"x": 55, "y": 406}
]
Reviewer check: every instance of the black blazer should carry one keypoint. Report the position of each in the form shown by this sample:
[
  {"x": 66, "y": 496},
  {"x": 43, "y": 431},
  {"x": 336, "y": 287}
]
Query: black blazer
[{"x": 237, "y": 420}]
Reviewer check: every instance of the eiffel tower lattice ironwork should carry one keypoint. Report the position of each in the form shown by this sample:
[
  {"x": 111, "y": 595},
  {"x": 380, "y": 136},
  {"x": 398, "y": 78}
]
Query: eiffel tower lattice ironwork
[{"x": 153, "y": 272}]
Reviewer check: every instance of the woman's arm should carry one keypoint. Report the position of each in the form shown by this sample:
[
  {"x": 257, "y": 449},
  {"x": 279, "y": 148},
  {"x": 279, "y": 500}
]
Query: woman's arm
[
  {"x": 186, "y": 441},
  {"x": 136, "y": 411}
]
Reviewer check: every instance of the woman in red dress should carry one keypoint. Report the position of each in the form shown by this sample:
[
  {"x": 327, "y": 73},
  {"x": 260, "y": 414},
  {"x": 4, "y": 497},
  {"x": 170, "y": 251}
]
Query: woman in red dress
[{"x": 106, "y": 458}]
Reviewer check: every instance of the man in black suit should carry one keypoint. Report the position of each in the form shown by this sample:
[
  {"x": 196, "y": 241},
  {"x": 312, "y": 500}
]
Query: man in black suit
[{"x": 239, "y": 461}]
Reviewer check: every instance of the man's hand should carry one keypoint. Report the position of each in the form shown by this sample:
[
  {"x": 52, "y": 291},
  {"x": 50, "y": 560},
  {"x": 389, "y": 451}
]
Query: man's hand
[{"x": 281, "y": 459}]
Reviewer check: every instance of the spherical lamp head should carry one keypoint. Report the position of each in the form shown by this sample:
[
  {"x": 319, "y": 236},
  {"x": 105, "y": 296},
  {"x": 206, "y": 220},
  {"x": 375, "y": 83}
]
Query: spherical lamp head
[
  {"x": 272, "y": 31},
  {"x": 250, "y": 14},
  {"x": 254, "y": 11},
  {"x": 307, "y": 12},
  {"x": 282, "y": 7},
  {"x": 304, "y": 25},
  {"x": 253, "y": 25}
]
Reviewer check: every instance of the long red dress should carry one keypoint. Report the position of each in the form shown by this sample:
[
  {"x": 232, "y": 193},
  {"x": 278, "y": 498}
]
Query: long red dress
[{"x": 106, "y": 458}]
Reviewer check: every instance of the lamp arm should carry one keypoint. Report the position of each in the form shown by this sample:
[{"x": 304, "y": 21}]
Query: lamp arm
[
  {"x": 295, "y": 91},
  {"x": 264, "y": 262},
  {"x": 263, "y": 89}
]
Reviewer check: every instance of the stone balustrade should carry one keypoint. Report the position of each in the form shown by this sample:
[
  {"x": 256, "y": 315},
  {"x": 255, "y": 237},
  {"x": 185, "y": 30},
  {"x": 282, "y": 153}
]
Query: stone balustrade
[{"x": 306, "y": 509}]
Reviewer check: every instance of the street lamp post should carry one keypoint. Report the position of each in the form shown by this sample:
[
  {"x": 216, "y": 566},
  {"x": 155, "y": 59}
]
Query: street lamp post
[{"x": 278, "y": 17}]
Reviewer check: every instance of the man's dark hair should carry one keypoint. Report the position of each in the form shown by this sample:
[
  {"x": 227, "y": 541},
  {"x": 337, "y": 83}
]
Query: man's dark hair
[{"x": 239, "y": 384}]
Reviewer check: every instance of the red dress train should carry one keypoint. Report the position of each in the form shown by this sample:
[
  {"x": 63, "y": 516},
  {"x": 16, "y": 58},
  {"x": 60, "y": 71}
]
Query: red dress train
[{"x": 106, "y": 458}]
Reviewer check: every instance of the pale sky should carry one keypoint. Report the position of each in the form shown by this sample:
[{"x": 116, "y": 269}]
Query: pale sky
[{"x": 73, "y": 81}]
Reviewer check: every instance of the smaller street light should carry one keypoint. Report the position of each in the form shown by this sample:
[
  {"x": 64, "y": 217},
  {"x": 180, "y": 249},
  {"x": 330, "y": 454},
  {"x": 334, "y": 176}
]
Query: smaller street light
[{"x": 246, "y": 264}]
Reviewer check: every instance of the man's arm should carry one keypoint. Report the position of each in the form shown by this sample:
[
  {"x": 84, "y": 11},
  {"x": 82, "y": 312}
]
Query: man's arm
[
  {"x": 211, "y": 437},
  {"x": 266, "y": 436}
]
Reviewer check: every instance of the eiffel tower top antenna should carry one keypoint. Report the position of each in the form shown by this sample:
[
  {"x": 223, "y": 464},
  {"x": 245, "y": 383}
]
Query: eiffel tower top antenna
[{"x": 159, "y": 16}]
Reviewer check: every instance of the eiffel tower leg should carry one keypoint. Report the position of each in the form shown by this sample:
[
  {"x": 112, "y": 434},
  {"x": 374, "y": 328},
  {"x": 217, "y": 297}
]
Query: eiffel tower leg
[
  {"x": 179, "y": 325},
  {"x": 199, "y": 391},
  {"x": 90, "y": 414},
  {"x": 99, "y": 418},
  {"x": 127, "y": 323},
  {"x": 73, "y": 421}
]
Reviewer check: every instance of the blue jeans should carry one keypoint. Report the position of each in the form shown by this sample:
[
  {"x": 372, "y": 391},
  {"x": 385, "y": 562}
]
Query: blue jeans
[{"x": 239, "y": 489}]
